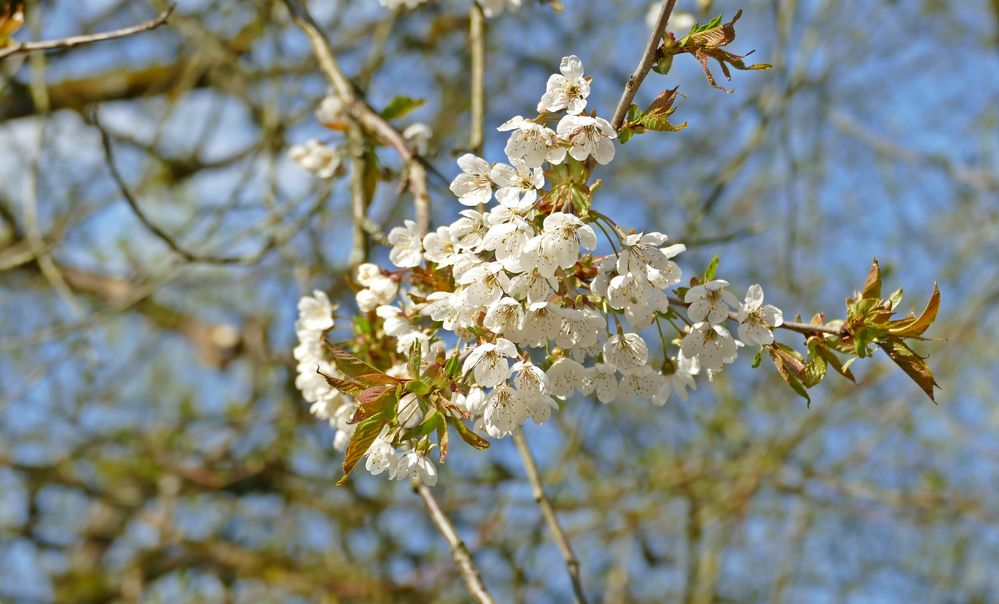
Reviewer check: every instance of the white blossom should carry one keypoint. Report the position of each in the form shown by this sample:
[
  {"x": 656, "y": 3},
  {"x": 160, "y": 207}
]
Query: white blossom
[
  {"x": 317, "y": 158},
  {"x": 712, "y": 345},
  {"x": 567, "y": 90},
  {"x": 564, "y": 376},
  {"x": 756, "y": 320},
  {"x": 627, "y": 353},
  {"x": 504, "y": 316},
  {"x": 588, "y": 136},
  {"x": 418, "y": 135},
  {"x": 532, "y": 143},
  {"x": 710, "y": 301},
  {"x": 473, "y": 186},
  {"x": 407, "y": 245},
  {"x": 315, "y": 312},
  {"x": 518, "y": 184},
  {"x": 440, "y": 247},
  {"x": 562, "y": 236},
  {"x": 491, "y": 8},
  {"x": 414, "y": 464},
  {"x": 504, "y": 411},
  {"x": 489, "y": 363},
  {"x": 381, "y": 456}
]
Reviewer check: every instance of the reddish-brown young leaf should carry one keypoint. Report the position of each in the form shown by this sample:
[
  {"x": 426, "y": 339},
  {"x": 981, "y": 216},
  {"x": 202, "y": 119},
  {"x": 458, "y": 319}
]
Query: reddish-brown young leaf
[
  {"x": 345, "y": 386},
  {"x": 365, "y": 434},
  {"x": 912, "y": 364},
  {"x": 912, "y": 325}
]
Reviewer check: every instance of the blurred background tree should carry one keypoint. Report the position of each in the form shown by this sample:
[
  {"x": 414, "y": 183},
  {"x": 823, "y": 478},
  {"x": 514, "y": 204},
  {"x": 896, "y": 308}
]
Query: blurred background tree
[{"x": 153, "y": 446}]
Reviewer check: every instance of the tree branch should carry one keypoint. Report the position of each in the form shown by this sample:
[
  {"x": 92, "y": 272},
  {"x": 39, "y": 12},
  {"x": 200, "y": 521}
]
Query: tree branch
[
  {"x": 477, "y": 42},
  {"x": 459, "y": 551},
  {"x": 644, "y": 66},
  {"x": 802, "y": 328},
  {"x": 538, "y": 490},
  {"x": 358, "y": 110},
  {"x": 18, "y": 48}
]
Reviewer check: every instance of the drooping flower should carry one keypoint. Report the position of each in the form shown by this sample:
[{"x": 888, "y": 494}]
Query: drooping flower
[
  {"x": 418, "y": 135},
  {"x": 317, "y": 158},
  {"x": 416, "y": 464},
  {"x": 489, "y": 362},
  {"x": 756, "y": 320},
  {"x": 564, "y": 376},
  {"x": 712, "y": 345},
  {"x": 628, "y": 353},
  {"x": 567, "y": 90}
]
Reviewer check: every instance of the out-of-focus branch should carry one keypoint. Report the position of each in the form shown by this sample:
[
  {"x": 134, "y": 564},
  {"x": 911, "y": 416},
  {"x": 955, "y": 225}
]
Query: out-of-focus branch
[
  {"x": 18, "y": 48},
  {"x": 561, "y": 540},
  {"x": 459, "y": 551},
  {"x": 360, "y": 111},
  {"x": 477, "y": 42},
  {"x": 644, "y": 66}
]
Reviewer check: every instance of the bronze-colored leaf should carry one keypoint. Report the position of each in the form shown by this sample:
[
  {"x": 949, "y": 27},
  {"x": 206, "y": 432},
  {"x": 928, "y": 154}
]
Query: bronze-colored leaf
[
  {"x": 912, "y": 364},
  {"x": 365, "y": 434},
  {"x": 913, "y": 326}
]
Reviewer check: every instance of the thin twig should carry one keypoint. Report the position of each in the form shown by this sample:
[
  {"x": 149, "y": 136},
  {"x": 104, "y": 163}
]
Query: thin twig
[
  {"x": 644, "y": 66},
  {"x": 459, "y": 551},
  {"x": 359, "y": 110},
  {"x": 477, "y": 42},
  {"x": 73, "y": 41},
  {"x": 358, "y": 194},
  {"x": 802, "y": 328},
  {"x": 538, "y": 490},
  {"x": 153, "y": 228}
]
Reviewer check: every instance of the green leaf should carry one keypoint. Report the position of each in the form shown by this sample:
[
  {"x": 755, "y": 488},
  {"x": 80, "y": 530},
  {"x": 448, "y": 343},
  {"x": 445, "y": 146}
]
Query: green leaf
[
  {"x": 758, "y": 358},
  {"x": 365, "y": 434},
  {"x": 709, "y": 273},
  {"x": 841, "y": 368},
  {"x": 912, "y": 364},
  {"x": 469, "y": 436},
  {"x": 383, "y": 403},
  {"x": 400, "y": 106},
  {"x": 418, "y": 387},
  {"x": 663, "y": 65},
  {"x": 624, "y": 134},
  {"x": 453, "y": 366},
  {"x": 790, "y": 364},
  {"x": 349, "y": 364},
  {"x": 428, "y": 425},
  {"x": 415, "y": 357}
]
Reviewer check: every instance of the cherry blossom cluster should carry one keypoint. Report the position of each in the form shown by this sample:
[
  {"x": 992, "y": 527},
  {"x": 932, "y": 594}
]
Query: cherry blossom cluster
[{"x": 513, "y": 305}]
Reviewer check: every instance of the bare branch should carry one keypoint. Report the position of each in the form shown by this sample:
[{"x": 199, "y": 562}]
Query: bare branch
[
  {"x": 477, "y": 41},
  {"x": 459, "y": 551},
  {"x": 18, "y": 48},
  {"x": 644, "y": 66},
  {"x": 538, "y": 490},
  {"x": 360, "y": 111}
]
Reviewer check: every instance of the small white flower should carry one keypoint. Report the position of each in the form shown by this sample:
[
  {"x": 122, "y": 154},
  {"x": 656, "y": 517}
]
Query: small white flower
[
  {"x": 406, "y": 245},
  {"x": 489, "y": 363},
  {"x": 602, "y": 379},
  {"x": 473, "y": 186},
  {"x": 588, "y": 136},
  {"x": 315, "y": 312},
  {"x": 710, "y": 301},
  {"x": 518, "y": 184},
  {"x": 469, "y": 230},
  {"x": 447, "y": 308},
  {"x": 440, "y": 247},
  {"x": 331, "y": 109},
  {"x": 541, "y": 324},
  {"x": 507, "y": 237},
  {"x": 416, "y": 464},
  {"x": 756, "y": 320},
  {"x": 394, "y": 4},
  {"x": 504, "y": 411},
  {"x": 712, "y": 345},
  {"x": 679, "y": 381},
  {"x": 641, "y": 386},
  {"x": 418, "y": 135},
  {"x": 491, "y": 8},
  {"x": 627, "y": 353},
  {"x": 567, "y": 90},
  {"x": 381, "y": 457},
  {"x": 564, "y": 376},
  {"x": 532, "y": 143},
  {"x": 562, "y": 236},
  {"x": 504, "y": 316},
  {"x": 483, "y": 284},
  {"x": 533, "y": 286},
  {"x": 408, "y": 411},
  {"x": 317, "y": 158}
]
